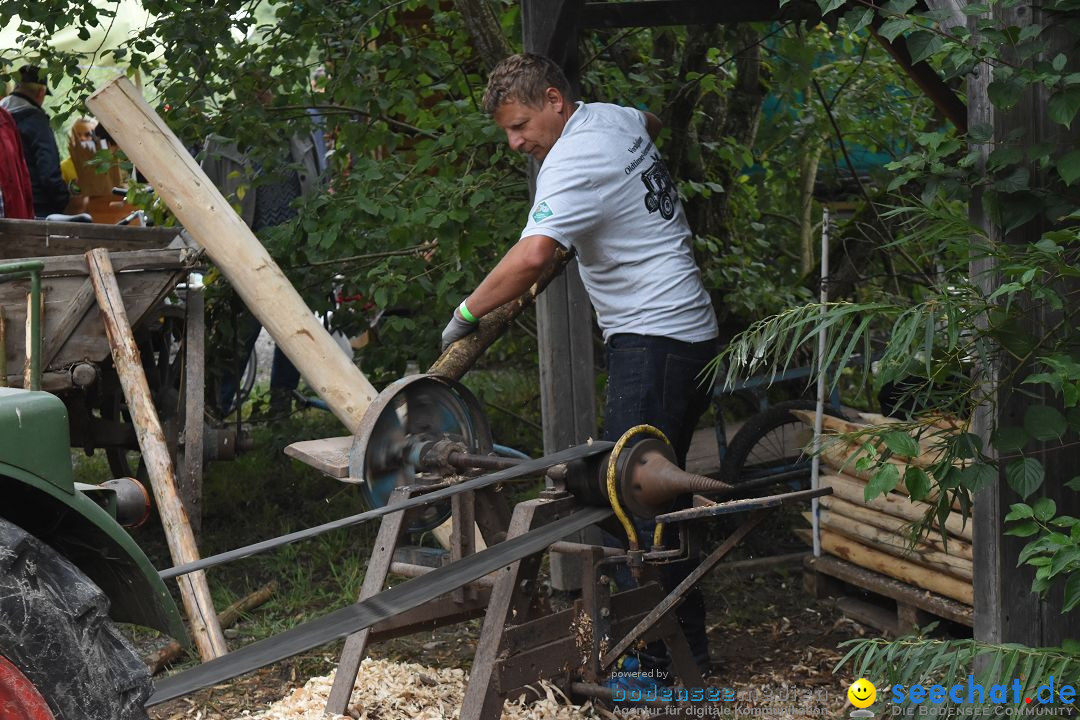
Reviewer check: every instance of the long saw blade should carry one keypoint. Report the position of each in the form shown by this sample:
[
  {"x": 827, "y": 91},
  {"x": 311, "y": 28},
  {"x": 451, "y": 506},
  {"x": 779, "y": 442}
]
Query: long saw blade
[
  {"x": 386, "y": 604},
  {"x": 525, "y": 469}
]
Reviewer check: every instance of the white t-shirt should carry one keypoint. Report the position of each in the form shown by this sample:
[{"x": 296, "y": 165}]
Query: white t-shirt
[{"x": 604, "y": 190}]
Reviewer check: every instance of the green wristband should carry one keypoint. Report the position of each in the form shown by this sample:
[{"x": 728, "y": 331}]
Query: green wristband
[{"x": 465, "y": 312}]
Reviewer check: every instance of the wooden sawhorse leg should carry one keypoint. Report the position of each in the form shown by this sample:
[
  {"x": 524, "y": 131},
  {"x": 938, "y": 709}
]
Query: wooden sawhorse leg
[
  {"x": 510, "y": 604},
  {"x": 382, "y": 555}
]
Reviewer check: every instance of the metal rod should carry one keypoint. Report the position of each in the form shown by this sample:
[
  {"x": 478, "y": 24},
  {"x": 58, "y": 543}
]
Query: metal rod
[
  {"x": 675, "y": 596},
  {"x": 819, "y": 411},
  {"x": 523, "y": 470},
  {"x": 482, "y": 462},
  {"x": 410, "y": 570}
]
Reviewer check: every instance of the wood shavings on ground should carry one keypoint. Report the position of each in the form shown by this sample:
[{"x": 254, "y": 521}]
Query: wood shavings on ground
[{"x": 386, "y": 690}]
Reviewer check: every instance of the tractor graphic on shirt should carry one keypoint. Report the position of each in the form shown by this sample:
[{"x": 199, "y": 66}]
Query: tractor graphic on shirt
[{"x": 661, "y": 191}]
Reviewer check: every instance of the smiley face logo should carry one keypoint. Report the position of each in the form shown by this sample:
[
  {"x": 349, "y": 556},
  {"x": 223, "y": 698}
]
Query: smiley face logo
[{"x": 862, "y": 693}]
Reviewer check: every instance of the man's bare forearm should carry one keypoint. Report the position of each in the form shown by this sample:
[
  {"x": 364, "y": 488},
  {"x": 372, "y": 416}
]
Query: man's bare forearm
[{"x": 516, "y": 272}]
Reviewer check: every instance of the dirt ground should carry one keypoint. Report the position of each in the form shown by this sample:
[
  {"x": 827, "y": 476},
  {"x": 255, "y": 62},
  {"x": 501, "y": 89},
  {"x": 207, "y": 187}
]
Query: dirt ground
[{"x": 770, "y": 642}]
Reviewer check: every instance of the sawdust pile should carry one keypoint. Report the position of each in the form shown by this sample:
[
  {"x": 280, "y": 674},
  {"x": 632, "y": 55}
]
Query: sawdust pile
[{"x": 387, "y": 690}]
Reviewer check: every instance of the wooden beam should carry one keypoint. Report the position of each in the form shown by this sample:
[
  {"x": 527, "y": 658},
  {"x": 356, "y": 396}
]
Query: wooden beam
[
  {"x": 655, "y": 13},
  {"x": 194, "y": 591},
  {"x": 73, "y": 314},
  {"x": 1006, "y": 611},
  {"x": 189, "y": 193},
  {"x": 21, "y": 238},
  {"x": 563, "y": 311}
]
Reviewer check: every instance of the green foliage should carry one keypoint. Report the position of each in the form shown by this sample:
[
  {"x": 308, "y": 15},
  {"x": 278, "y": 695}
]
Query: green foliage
[
  {"x": 918, "y": 660},
  {"x": 943, "y": 334}
]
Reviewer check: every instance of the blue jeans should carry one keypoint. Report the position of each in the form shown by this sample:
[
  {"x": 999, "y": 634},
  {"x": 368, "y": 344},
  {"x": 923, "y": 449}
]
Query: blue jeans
[{"x": 658, "y": 381}]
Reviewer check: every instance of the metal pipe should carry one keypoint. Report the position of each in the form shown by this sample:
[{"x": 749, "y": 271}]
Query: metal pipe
[
  {"x": 411, "y": 570},
  {"x": 573, "y": 548},
  {"x": 482, "y": 462},
  {"x": 819, "y": 411}
]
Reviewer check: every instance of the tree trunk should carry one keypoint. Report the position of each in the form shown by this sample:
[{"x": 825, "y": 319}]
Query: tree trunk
[
  {"x": 486, "y": 34},
  {"x": 808, "y": 175}
]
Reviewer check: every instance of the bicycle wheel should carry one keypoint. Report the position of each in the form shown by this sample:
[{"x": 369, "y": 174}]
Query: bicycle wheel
[{"x": 773, "y": 442}]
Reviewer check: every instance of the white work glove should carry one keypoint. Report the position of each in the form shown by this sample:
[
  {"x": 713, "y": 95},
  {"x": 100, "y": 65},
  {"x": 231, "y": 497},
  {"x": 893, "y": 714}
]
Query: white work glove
[{"x": 457, "y": 328}]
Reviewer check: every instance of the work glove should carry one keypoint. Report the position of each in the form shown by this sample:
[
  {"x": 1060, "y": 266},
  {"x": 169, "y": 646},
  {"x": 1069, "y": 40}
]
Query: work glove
[{"x": 457, "y": 328}]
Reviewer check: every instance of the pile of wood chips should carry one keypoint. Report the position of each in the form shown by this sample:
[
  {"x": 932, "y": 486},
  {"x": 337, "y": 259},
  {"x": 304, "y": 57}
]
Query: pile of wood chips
[{"x": 387, "y": 690}]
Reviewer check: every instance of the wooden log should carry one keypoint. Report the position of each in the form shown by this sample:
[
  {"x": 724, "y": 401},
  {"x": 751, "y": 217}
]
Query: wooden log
[
  {"x": 194, "y": 591},
  {"x": 895, "y": 545},
  {"x": 841, "y": 457},
  {"x": 870, "y": 559},
  {"x": 457, "y": 359},
  {"x": 929, "y": 454},
  {"x": 207, "y": 216},
  {"x": 228, "y": 617},
  {"x": 902, "y": 593},
  {"x": 899, "y": 506},
  {"x": 955, "y": 546}
]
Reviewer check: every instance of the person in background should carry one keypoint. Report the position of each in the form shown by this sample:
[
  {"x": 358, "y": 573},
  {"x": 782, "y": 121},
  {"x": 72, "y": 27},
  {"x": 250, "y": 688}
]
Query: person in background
[
  {"x": 50, "y": 192},
  {"x": 264, "y": 199},
  {"x": 16, "y": 197},
  {"x": 81, "y": 138}
]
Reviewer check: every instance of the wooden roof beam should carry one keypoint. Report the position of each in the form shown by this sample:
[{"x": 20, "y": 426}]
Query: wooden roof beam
[{"x": 654, "y": 13}]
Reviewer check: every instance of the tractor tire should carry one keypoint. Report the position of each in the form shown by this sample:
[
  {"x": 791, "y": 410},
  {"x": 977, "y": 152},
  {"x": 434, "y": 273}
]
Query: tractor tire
[
  {"x": 57, "y": 643},
  {"x": 770, "y": 443}
]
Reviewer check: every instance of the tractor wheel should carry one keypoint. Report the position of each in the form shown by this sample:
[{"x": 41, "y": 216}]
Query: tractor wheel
[{"x": 61, "y": 658}]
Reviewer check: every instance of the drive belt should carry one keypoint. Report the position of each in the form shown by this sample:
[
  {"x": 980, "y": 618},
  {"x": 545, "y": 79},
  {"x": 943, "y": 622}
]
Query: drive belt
[
  {"x": 387, "y": 604},
  {"x": 525, "y": 469}
]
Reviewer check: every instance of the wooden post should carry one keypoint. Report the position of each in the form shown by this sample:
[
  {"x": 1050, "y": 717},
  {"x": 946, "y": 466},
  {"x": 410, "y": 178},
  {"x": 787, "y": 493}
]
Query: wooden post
[
  {"x": 184, "y": 187},
  {"x": 563, "y": 312},
  {"x": 1005, "y": 608},
  {"x": 190, "y": 457},
  {"x": 194, "y": 591}
]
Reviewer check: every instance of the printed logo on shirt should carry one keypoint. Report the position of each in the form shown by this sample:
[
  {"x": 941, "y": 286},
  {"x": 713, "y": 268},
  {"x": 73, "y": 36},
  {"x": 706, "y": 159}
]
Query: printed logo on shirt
[
  {"x": 542, "y": 212},
  {"x": 660, "y": 192}
]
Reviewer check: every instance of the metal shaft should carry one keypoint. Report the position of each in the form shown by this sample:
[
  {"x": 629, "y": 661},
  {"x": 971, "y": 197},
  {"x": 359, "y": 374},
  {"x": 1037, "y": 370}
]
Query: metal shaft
[{"x": 523, "y": 470}]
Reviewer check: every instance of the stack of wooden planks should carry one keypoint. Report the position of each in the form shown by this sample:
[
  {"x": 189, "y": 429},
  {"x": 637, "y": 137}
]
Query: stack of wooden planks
[{"x": 876, "y": 535}]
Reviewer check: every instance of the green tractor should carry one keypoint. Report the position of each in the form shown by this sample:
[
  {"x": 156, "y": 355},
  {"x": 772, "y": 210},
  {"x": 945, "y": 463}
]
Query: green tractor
[{"x": 68, "y": 569}]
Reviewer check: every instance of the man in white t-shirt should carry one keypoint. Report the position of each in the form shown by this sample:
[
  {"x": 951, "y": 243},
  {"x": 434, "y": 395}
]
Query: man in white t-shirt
[{"x": 604, "y": 191}]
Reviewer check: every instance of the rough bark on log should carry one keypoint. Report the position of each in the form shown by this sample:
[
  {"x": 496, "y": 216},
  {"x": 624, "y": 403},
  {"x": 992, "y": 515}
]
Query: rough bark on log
[
  {"x": 457, "y": 359},
  {"x": 194, "y": 591},
  {"x": 885, "y": 564},
  {"x": 852, "y": 490},
  {"x": 841, "y": 457},
  {"x": 955, "y": 546},
  {"x": 893, "y": 544}
]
